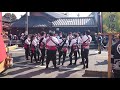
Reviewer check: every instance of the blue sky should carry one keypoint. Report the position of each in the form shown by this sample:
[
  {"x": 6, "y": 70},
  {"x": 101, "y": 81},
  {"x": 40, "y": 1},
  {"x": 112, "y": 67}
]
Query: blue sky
[{"x": 71, "y": 14}]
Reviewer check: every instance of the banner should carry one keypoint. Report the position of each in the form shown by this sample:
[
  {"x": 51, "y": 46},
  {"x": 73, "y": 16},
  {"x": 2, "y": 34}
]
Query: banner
[
  {"x": 2, "y": 44},
  {"x": 111, "y": 22}
]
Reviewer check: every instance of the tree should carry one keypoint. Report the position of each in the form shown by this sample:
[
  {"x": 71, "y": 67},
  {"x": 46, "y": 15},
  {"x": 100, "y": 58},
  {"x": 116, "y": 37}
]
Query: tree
[
  {"x": 12, "y": 17},
  {"x": 111, "y": 19}
]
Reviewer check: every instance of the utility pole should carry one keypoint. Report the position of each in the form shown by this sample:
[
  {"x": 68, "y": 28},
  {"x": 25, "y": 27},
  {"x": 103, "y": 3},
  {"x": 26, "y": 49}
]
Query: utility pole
[
  {"x": 98, "y": 21},
  {"x": 101, "y": 14},
  {"x": 26, "y": 24}
]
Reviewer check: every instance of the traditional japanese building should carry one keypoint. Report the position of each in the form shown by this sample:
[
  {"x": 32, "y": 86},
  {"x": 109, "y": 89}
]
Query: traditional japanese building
[{"x": 39, "y": 21}]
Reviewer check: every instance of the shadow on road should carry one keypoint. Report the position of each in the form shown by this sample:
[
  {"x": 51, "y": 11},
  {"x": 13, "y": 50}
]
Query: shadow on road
[
  {"x": 67, "y": 59},
  {"x": 19, "y": 71},
  {"x": 93, "y": 54},
  {"x": 102, "y": 63},
  {"x": 66, "y": 74},
  {"x": 34, "y": 73},
  {"x": 73, "y": 66},
  {"x": 95, "y": 74}
]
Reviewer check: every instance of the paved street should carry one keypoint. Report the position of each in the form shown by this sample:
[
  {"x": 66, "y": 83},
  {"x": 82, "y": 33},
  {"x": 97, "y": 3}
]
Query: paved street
[{"x": 25, "y": 69}]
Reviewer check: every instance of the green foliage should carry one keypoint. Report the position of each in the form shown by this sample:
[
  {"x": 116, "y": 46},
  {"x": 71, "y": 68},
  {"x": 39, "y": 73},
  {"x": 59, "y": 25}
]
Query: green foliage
[
  {"x": 106, "y": 21},
  {"x": 13, "y": 17}
]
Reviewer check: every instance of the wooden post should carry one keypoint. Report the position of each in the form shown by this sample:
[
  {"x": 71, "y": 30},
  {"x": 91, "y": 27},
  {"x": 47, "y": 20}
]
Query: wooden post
[
  {"x": 109, "y": 55},
  {"x": 109, "y": 52}
]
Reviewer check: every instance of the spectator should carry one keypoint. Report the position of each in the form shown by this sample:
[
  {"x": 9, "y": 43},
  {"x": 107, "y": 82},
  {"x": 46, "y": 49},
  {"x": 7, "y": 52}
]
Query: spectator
[
  {"x": 96, "y": 36},
  {"x": 104, "y": 41},
  {"x": 22, "y": 38},
  {"x": 99, "y": 40},
  {"x": 15, "y": 37},
  {"x": 10, "y": 38}
]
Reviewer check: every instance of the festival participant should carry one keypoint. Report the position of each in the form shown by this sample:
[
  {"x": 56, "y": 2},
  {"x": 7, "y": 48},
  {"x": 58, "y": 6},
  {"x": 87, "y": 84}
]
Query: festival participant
[
  {"x": 79, "y": 44},
  {"x": 74, "y": 49},
  {"x": 63, "y": 43},
  {"x": 34, "y": 49},
  {"x": 27, "y": 47},
  {"x": 51, "y": 46},
  {"x": 60, "y": 35},
  {"x": 69, "y": 38},
  {"x": 42, "y": 46},
  {"x": 37, "y": 47},
  {"x": 86, "y": 40},
  {"x": 99, "y": 40}
]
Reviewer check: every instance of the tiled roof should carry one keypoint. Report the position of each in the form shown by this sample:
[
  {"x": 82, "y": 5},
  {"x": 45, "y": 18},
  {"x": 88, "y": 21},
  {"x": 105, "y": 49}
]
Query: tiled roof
[
  {"x": 75, "y": 21},
  {"x": 56, "y": 15},
  {"x": 40, "y": 21},
  {"x": 33, "y": 21}
]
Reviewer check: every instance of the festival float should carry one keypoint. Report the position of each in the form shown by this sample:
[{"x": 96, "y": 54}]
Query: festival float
[{"x": 5, "y": 58}]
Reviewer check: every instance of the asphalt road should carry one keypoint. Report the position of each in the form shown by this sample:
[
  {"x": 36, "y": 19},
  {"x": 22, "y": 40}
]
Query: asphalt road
[{"x": 24, "y": 69}]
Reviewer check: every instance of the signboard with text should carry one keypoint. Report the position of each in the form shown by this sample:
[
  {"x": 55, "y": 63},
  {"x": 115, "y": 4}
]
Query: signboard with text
[
  {"x": 111, "y": 22},
  {"x": 111, "y": 26}
]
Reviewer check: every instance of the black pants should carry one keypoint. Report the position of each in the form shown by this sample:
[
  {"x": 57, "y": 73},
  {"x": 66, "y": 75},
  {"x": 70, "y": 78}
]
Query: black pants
[
  {"x": 70, "y": 56},
  {"x": 69, "y": 42},
  {"x": 64, "y": 56},
  {"x": 99, "y": 48},
  {"x": 22, "y": 42},
  {"x": 84, "y": 55},
  {"x": 51, "y": 55},
  {"x": 78, "y": 52},
  {"x": 42, "y": 55},
  {"x": 38, "y": 53},
  {"x": 33, "y": 54},
  {"x": 27, "y": 52}
]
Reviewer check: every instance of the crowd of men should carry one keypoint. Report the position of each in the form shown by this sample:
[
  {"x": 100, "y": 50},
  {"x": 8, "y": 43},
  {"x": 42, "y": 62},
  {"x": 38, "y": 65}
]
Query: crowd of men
[
  {"x": 41, "y": 45},
  {"x": 15, "y": 37},
  {"x": 102, "y": 41}
]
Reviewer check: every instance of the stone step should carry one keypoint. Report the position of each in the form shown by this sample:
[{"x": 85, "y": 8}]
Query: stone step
[{"x": 92, "y": 73}]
